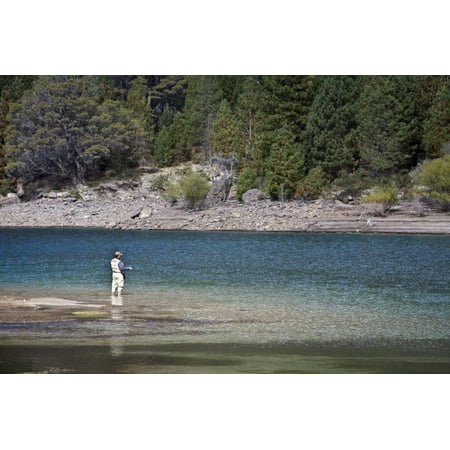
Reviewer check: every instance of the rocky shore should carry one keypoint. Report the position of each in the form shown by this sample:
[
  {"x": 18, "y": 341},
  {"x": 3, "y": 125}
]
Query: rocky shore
[{"x": 138, "y": 205}]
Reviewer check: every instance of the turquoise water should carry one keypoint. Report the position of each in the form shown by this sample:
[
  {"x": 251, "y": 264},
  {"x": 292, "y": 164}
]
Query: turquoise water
[{"x": 233, "y": 302}]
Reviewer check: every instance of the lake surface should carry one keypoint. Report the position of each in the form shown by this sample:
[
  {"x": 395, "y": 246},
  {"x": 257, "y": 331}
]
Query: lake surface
[{"x": 227, "y": 302}]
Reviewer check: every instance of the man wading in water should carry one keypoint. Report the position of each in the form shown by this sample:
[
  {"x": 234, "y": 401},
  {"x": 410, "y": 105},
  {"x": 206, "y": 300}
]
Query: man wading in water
[{"x": 118, "y": 278}]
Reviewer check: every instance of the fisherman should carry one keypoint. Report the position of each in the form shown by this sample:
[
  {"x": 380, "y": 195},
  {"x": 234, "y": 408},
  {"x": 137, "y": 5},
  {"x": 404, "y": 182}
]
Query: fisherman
[{"x": 118, "y": 278}]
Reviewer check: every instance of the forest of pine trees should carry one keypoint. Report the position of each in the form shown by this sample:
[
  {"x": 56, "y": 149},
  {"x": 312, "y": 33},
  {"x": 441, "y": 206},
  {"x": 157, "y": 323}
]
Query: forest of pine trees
[{"x": 292, "y": 136}]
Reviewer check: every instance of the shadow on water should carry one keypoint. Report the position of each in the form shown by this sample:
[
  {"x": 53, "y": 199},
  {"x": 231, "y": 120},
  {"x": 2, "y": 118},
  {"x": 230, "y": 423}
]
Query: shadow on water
[
  {"x": 115, "y": 358},
  {"x": 219, "y": 358}
]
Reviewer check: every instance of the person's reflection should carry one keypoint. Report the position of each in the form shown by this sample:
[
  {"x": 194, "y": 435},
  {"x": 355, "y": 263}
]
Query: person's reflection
[
  {"x": 116, "y": 347},
  {"x": 116, "y": 300}
]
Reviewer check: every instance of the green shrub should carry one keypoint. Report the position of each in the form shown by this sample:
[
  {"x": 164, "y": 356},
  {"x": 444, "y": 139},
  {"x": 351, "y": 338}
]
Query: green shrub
[
  {"x": 384, "y": 198},
  {"x": 435, "y": 177},
  {"x": 312, "y": 185},
  {"x": 354, "y": 182},
  {"x": 75, "y": 193},
  {"x": 192, "y": 188},
  {"x": 172, "y": 192},
  {"x": 248, "y": 179},
  {"x": 5, "y": 186},
  {"x": 159, "y": 182}
]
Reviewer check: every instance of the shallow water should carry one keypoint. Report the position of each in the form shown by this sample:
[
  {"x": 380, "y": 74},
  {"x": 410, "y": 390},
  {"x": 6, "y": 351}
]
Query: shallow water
[{"x": 228, "y": 302}]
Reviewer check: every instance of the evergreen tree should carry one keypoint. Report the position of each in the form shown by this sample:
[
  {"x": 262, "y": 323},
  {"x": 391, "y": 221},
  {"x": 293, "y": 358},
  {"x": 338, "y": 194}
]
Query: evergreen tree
[
  {"x": 225, "y": 131},
  {"x": 171, "y": 144},
  {"x": 138, "y": 102},
  {"x": 101, "y": 88},
  {"x": 248, "y": 179},
  {"x": 59, "y": 131},
  {"x": 231, "y": 87},
  {"x": 388, "y": 132},
  {"x": 312, "y": 185},
  {"x": 427, "y": 88},
  {"x": 115, "y": 128},
  {"x": 167, "y": 117},
  {"x": 138, "y": 98},
  {"x": 12, "y": 88},
  {"x": 164, "y": 147},
  {"x": 285, "y": 102},
  {"x": 168, "y": 93},
  {"x": 332, "y": 118},
  {"x": 285, "y": 165},
  {"x": 249, "y": 122},
  {"x": 437, "y": 127},
  {"x": 202, "y": 101}
]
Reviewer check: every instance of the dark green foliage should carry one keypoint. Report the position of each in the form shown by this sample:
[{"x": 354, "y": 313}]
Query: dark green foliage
[
  {"x": 5, "y": 186},
  {"x": 121, "y": 134},
  {"x": 427, "y": 89},
  {"x": 202, "y": 101},
  {"x": 172, "y": 145},
  {"x": 312, "y": 185},
  {"x": 249, "y": 122},
  {"x": 285, "y": 165},
  {"x": 437, "y": 127},
  {"x": 101, "y": 88},
  {"x": 293, "y": 135},
  {"x": 248, "y": 179},
  {"x": 137, "y": 98},
  {"x": 225, "y": 131},
  {"x": 164, "y": 146},
  {"x": 45, "y": 130},
  {"x": 59, "y": 131},
  {"x": 352, "y": 183},
  {"x": 388, "y": 132},
  {"x": 328, "y": 138},
  {"x": 166, "y": 117},
  {"x": 168, "y": 92},
  {"x": 11, "y": 90},
  {"x": 286, "y": 100},
  {"x": 138, "y": 102},
  {"x": 230, "y": 87}
]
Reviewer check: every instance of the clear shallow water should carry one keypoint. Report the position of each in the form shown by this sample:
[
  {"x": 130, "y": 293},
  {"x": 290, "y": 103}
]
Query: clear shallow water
[{"x": 226, "y": 302}]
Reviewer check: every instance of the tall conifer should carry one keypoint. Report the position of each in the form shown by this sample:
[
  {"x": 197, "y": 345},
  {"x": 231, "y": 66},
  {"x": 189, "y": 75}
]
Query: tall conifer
[
  {"x": 202, "y": 101},
  {"x": 285, "y": 165},
  {"x": 225, "y": 131},
  {"x": 249, "y": 122},
  {"x": 285, "y": 102},
  {"x": 332, "y": 118},
  {"x": 388, "y": 132},
  {"x": 437, "y": 127}
]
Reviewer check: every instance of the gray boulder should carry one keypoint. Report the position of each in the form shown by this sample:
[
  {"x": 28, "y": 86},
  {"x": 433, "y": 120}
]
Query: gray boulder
[
  {"x": 145, "y": 212},
  {"x": 136, "y": 213},
  {"x": 10, "y": 199},
  {"x": 253, "y": 195}
]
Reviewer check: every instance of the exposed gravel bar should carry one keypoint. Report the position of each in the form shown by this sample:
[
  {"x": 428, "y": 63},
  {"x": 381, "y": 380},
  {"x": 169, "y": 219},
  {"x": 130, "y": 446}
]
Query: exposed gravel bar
[{"x": 134, "y": 205}]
